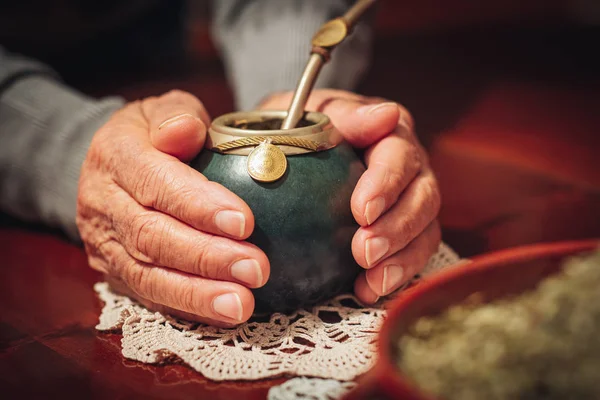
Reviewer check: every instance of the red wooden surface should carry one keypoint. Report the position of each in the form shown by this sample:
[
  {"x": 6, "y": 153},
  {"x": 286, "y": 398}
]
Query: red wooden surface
[
  {"x": 49, "y": 347},
  {"x": 521, "y": 166}
]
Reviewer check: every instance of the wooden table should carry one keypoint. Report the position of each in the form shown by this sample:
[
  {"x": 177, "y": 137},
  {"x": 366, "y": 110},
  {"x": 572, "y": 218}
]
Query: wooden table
[{"x": 48, "y": 344}]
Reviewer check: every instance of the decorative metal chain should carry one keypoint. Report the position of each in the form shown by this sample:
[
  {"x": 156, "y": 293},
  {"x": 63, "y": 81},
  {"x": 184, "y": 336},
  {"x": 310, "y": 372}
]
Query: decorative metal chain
[{"x": 256, "y": 140}]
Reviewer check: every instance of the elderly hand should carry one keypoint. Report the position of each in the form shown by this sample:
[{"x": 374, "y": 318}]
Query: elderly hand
[
  {"x": 159, "y": 229},
  {"x": 397, "y": 199}
]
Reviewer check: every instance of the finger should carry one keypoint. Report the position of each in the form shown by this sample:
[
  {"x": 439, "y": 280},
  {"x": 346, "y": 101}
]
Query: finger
[
  {"x": 167, "y": 185},
  {"x": 178, "y": 122},
  {"x": 155, "y": 238},
  {"x": 392, "y": 164},
  {"x": 363, "y": 291},
  {"x": 361, "y": 125},
  {"x": 399, "y": 268},
  {"x": 414, "y": 211},
  {"x": 361, "y": 120},
  {"x": 118, "y": 286},
  {"x": 320, "y": 98},
  {"x": 205, "y": 298}
]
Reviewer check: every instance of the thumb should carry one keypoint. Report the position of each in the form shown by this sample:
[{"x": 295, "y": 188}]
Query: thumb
[
  {"x": 178, "y": 122},
  {"x": 360, "y": 124}
]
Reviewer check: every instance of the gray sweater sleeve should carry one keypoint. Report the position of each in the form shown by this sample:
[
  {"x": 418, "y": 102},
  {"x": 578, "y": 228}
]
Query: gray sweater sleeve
[
  {"x": 266, "y": 44},
  {"x": 45, "y": 130}
]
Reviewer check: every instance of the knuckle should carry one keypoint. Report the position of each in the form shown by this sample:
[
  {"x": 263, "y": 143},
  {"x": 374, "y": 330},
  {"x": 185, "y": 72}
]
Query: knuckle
[
  {"x": 207, "y": 260},
  {"x": 394, "y": 178},
  {"x": 431, "y": 197},
  {"x": 206, "y": 218},
  {"x": 408, "y": 230},
  {"x": 190, "y": 300},
  {"x": 186, "y": 205},
  {"x": 91, "y": 228},
  {"x": 202, "y": 252},
  {"x": 83, "y": 214},
  {"x": 117, "y": 265},
  {"x": 413, "y": 158},
  {"x": 95, "y": 228},
  {"x": 138, "y": 278},
  {"x": 145, "y": 183},
  {"x": 149, "y": 234},
  {"x": 151, "y": 187}
]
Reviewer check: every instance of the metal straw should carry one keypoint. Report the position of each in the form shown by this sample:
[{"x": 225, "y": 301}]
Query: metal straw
[{"x": 329, "y": 35}]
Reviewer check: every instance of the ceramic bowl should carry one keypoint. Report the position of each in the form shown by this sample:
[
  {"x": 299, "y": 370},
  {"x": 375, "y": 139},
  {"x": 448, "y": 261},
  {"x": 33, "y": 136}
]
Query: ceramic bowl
[{"x": 494, "y": 275}]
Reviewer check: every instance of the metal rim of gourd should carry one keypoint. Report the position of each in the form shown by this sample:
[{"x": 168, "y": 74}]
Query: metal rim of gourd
[{"x": 321, "y": 134}]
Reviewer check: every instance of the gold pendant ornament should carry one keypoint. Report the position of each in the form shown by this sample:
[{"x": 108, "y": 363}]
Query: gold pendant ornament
[{"x": 266, "y": 163}]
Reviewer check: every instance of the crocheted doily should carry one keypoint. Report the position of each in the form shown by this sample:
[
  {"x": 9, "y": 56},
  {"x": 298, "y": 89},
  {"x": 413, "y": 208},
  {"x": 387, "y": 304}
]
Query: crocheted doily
[
  {"x": 310, "y": 389},
  {"x": 336, "y": 339}
]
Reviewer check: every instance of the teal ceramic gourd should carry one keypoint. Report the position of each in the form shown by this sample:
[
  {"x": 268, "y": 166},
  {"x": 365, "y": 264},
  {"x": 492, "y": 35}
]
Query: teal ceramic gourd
[{"x": 303, "y": 220}]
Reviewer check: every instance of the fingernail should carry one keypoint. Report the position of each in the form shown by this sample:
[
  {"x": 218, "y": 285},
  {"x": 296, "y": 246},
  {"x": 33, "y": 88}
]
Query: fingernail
[
  {"x": 392, "y": 277},
  {"x": 374, "y": 209},
  {"x": 247, "y": 271},
  {"x": 383, "y": 107},
  {"x": 375, "y": 249},
  {"x": 173, "y": 119},
  {"x": 231, "y": 222},
  {"x": 228, "y": 305}
]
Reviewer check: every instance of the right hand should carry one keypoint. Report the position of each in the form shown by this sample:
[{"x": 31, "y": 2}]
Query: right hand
[{"x": 158, "y": 229}]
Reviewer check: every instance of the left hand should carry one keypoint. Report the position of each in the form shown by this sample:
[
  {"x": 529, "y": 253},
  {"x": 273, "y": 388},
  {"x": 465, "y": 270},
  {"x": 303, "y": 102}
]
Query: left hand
[{"x": 397, "y": 199}]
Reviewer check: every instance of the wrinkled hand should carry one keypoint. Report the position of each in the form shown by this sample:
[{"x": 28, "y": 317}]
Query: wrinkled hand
[
  {"x": 397, "y": 199},
  {"x": 160, "y": 230}
]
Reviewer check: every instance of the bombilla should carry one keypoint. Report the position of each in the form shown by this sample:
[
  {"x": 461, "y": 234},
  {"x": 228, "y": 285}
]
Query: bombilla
[{"x": 323, "y": 42}]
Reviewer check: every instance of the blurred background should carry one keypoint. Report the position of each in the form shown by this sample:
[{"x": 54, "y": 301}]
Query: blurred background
[{"x": 505, "y": 94}]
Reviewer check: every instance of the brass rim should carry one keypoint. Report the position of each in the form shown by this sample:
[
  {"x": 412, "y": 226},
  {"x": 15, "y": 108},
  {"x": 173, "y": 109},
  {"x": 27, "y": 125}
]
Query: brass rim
[
  {"x": 276, "y": 140},
  {"x": 267, "y": 149},
  {"x": 223, "y": 137}
]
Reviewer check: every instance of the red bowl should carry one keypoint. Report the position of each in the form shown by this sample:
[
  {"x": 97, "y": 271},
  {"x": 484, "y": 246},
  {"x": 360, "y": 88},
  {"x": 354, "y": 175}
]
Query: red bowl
[{"x": 494, "y": 275}]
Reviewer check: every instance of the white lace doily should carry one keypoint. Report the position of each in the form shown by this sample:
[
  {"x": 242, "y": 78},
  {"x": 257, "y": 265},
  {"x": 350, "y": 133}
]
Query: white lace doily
[
  {"x": 310, "y": 389},
  {"x": 336, "y": 339}
]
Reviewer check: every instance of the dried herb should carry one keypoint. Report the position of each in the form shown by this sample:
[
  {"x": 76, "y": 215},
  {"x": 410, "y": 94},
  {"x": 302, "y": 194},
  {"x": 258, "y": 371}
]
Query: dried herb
[{"x": 543, "y": 344}]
